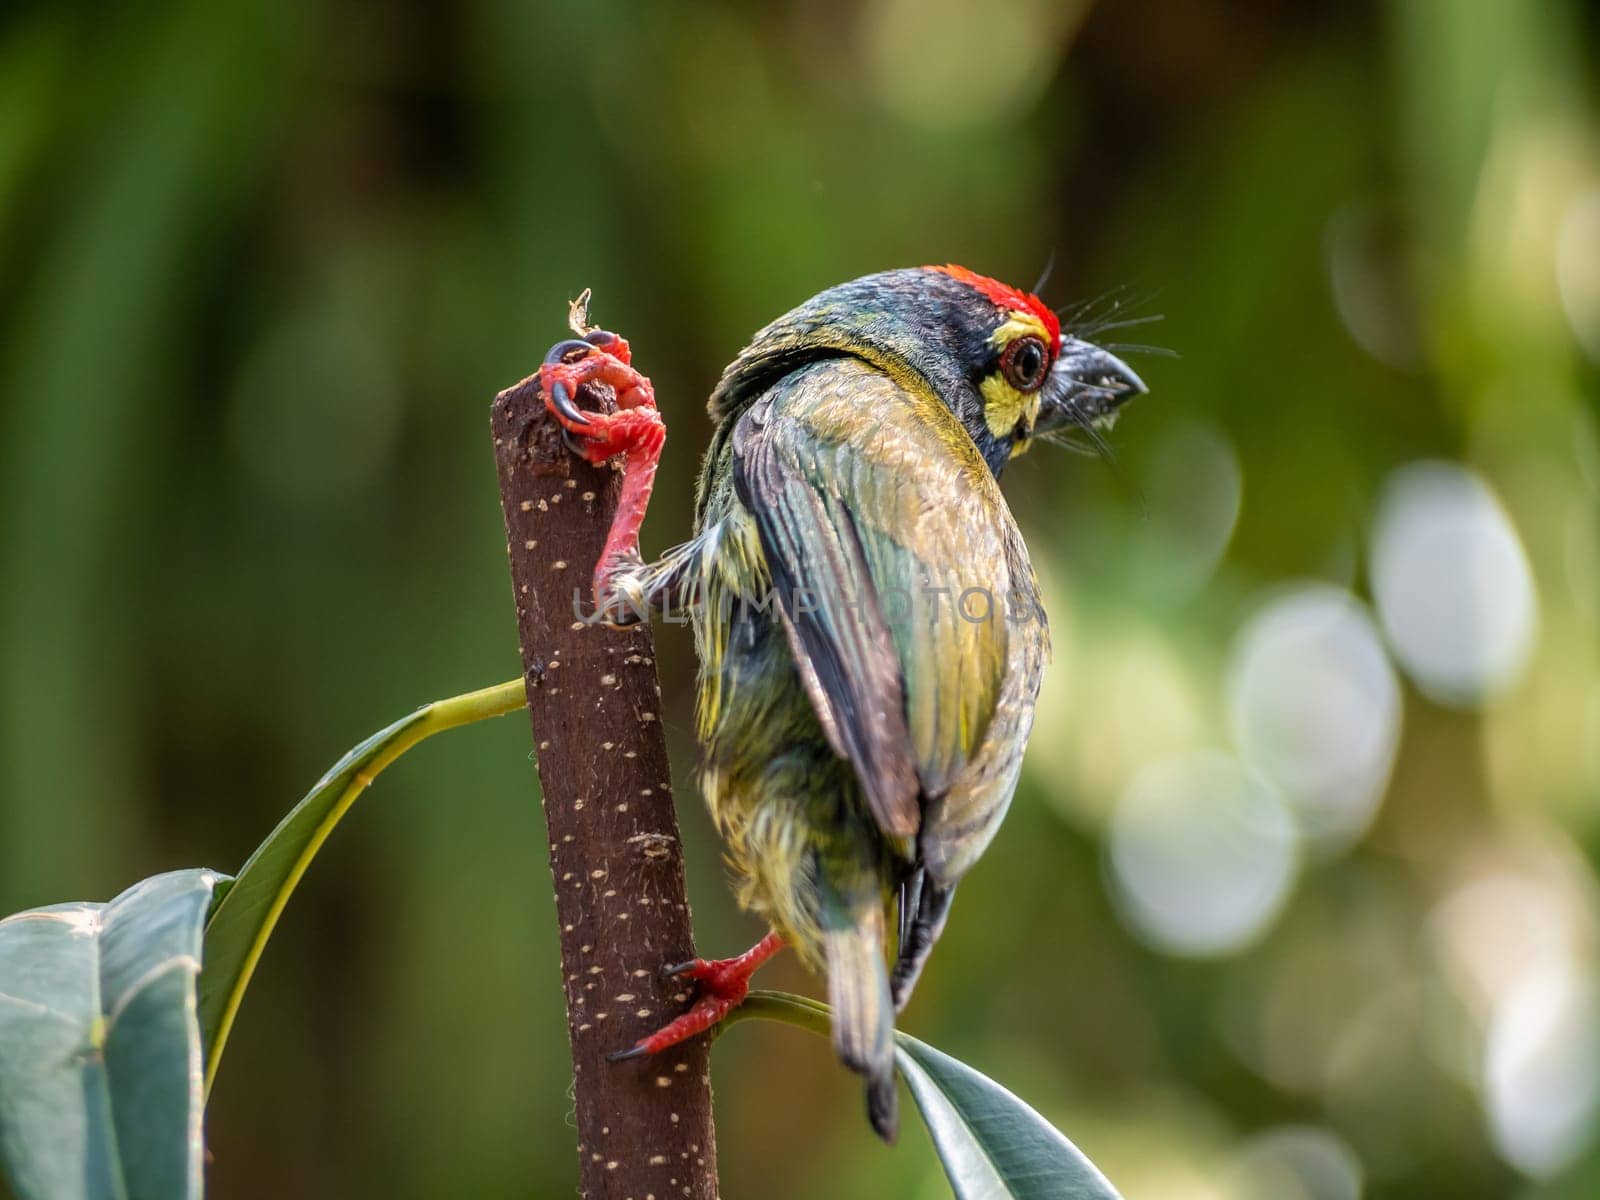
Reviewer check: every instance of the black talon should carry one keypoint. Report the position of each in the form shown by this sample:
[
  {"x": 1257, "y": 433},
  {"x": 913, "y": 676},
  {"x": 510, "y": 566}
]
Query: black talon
[
  {"x": 573, "y": 445},
  {"x": 600, "y": 337},
  {"x": 680, "y": 968},
  {"x": 561, "y": 352},
  {"x": 564, "y": 405},
  {"x": 625, "y": 1055},
  {"x": 558, "y": 353}
]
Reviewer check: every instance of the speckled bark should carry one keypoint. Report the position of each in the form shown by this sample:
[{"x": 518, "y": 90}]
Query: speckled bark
[{"x": 644, "y": 1127}]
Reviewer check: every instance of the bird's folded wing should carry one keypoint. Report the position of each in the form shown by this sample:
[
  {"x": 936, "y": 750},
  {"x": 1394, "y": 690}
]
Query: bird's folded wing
[{"x": 885, "y": 535}]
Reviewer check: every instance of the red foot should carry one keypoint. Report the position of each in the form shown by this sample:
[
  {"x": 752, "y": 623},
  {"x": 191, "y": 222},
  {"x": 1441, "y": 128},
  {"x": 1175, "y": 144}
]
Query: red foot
[
  {"x": 724, "y": 983},
  {"x": 601, "y": 357},
  {"x": 634, "y": 431}
]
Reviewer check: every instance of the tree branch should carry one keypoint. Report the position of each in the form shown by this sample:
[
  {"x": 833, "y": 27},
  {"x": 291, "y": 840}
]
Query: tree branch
[{"x": 645, "y": 1127}]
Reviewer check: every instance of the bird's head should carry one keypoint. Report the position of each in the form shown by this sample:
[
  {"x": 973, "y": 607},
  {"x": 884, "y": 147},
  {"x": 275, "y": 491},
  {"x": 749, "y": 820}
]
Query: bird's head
[{"x": 995, "y": 355}]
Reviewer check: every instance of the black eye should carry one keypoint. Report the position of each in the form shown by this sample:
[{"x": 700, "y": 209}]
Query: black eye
[{"x": 1025, "y": 363}]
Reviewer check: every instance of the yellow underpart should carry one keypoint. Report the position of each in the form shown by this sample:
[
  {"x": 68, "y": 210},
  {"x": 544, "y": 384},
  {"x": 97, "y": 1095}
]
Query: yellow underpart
[{"x": 1003, "y": 405}]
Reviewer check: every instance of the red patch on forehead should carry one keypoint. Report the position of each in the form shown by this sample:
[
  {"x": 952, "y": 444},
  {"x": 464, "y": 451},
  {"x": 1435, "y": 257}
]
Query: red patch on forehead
[{"x": 1009, "y": 298}]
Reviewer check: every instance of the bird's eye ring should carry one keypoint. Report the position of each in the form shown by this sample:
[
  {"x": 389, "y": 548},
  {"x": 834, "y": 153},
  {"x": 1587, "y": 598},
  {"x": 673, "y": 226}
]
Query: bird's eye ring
[{"x": 1025, "y": 362}]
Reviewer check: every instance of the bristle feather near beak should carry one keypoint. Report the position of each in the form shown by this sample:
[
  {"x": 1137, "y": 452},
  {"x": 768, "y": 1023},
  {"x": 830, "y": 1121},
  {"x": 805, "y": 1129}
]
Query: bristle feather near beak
[{"x": 1087, "y": 385}]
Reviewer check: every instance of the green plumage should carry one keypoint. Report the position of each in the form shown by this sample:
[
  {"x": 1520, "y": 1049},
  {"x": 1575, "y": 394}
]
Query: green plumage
[
  {"x": 851, "y": 712},
  {"x": 870, "y": 635},
  {"x": 845, "y": 519}
]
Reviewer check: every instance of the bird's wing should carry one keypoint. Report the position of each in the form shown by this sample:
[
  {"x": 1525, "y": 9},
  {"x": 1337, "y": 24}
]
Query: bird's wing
[{"x": 886, "y": 537}]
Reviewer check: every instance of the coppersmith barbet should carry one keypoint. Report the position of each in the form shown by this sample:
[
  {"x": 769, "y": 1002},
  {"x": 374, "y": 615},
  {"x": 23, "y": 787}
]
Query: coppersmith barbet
[{"x": 868, "y": 625}]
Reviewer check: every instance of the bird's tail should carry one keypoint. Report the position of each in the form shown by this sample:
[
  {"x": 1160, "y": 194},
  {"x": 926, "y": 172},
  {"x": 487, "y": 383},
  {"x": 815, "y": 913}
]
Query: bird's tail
[
  {"x": 924, "y": 906},
  {"x": 863, "y": 1015}
]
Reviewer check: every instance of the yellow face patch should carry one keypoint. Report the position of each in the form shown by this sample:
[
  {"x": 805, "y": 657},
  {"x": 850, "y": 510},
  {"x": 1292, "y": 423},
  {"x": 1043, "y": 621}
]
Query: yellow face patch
[{"x": 1004, "y": 407}]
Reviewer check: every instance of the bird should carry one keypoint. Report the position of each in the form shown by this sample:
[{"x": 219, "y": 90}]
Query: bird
[{"x": 868, "y": 624}]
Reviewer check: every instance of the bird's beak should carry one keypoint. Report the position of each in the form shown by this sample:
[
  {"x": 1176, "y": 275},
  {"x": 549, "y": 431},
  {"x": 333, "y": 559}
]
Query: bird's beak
[{"x": 1087, "y": 386}]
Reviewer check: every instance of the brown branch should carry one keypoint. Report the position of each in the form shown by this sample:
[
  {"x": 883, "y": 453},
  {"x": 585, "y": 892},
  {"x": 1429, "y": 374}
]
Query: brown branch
[{"x": 644, "y": 1127}]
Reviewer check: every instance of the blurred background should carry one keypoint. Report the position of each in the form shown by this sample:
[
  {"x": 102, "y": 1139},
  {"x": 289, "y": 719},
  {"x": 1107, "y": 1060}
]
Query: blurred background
[{"x": 1298, "y": 898}]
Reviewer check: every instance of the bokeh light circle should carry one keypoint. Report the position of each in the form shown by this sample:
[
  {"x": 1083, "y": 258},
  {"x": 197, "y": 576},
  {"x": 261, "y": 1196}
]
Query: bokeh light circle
[
  {"x": 1297, "y": 1162},
  {"x": 1541, "y": 1074},
  {"x": 1453, "y": 585},
  {"x": 1003, "y": 53},
  {"x": 1315, "y": 707},
  {"x": 1202, "y": 854},
  {"x": 1194, "y": 490},
  {"x": 1578, "y": 269}
]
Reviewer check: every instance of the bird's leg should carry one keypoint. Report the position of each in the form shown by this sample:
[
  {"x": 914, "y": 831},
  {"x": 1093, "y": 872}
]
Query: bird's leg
[
  {"x": 722, "y": 983},
  {"x": 634, "y": 431}
]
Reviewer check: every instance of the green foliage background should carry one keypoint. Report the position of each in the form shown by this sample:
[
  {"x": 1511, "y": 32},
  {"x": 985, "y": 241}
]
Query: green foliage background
[{"x": 265, "y": 264}]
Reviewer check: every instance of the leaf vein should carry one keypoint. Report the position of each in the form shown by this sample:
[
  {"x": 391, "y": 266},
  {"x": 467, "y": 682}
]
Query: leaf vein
[
  {"x": 44, "y": 1009},
  {"x": 161, "y": 968}
]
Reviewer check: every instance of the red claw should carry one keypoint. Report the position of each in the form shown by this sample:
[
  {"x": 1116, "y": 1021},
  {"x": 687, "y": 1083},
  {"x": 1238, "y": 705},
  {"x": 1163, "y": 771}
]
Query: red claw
[
  {"x": 722, "y": 984},
  {"x": 613, "y": 344},
  {"x": 608, "y": 362},
  {"x": 634, "y": 431}
]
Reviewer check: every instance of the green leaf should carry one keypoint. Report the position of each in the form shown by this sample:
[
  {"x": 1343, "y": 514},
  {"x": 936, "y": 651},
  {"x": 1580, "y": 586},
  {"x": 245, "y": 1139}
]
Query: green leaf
[
  {"x": 991, "y": 1143},
  {"x": 993, "y": 1146},
  {"x": 247, "y": 911},
  {"x": 100, "y": 1091}
]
